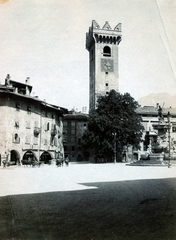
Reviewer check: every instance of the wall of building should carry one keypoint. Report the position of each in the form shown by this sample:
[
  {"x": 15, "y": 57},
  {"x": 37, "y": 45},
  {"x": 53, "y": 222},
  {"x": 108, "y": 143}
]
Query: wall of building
[
  {"x": 27, "y": 125},
  {"x": 74, "y": 126}
]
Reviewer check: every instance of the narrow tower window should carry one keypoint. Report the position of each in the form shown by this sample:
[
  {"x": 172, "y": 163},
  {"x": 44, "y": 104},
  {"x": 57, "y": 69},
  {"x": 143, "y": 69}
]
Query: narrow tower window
[{"x": 107, "y": 51}]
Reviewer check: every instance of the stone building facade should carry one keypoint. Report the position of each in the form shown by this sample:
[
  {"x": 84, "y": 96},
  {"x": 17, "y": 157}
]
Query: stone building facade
[
  {"x": 74, "y": 125},
  {"x": 29, "y": 127},
  {"x": 102, "y": 44}
]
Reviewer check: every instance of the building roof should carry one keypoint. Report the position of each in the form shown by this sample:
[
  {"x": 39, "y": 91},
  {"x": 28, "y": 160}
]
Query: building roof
[
  {"x": 9, "y": 88},
  {"x": 76, "y": 115},
  {"x": 151, "y": 110}
]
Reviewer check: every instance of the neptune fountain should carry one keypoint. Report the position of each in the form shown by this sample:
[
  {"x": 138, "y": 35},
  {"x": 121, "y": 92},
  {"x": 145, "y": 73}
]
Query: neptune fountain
[{"x": 159, "y": 143}]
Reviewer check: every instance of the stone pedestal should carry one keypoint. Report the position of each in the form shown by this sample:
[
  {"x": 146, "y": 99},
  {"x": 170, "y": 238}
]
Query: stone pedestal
[{"x": 156, "y": 158}]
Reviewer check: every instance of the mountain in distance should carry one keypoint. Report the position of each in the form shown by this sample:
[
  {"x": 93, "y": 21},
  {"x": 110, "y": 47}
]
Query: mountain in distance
[{"x": 164, "y": 99}]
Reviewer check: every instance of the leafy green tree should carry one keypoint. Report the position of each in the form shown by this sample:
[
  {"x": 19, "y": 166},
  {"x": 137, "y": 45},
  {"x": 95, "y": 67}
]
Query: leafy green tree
[{"x": 113, "y": 122}]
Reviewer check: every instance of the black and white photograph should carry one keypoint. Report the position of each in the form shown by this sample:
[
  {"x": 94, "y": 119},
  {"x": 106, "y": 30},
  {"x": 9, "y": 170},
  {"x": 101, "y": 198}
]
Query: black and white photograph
[{"x": 87, "y": 120}]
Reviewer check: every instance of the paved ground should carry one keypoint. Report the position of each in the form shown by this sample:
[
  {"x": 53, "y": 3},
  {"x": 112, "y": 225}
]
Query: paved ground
[{"x": 88, "y": 201}]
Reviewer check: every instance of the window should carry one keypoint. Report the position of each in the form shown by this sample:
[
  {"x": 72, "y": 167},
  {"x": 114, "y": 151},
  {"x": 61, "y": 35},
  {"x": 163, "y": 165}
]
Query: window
[
  {"x": 174, "y": 128},
  {"x": 47, "y": 126},
  {"x": 72, "y": 131},
  {"x": 73, "y": 148},
  {"x": 16, "y": 138},
  {"x": 107, "y": 93},
  {"x": 107, "y": 51},
  {"x": 106, "y": 84},
  {"x": 17, "y": 124},
  {"x": 72, "y": 123},
  {"x": 64, "y": 123}
]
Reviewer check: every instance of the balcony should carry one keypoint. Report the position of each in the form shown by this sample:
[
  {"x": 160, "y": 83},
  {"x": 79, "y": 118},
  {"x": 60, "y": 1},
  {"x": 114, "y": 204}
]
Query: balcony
[{"x": 36, "y": 131}]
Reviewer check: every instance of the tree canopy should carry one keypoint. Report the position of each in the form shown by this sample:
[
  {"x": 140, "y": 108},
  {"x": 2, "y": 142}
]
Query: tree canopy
[{"x": 113, "y": 121}]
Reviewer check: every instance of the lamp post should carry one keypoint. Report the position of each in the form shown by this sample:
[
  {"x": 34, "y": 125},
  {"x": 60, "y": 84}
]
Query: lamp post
[
  {"x": 169, "y": 125},
  {"x": 115, "y": 147}
]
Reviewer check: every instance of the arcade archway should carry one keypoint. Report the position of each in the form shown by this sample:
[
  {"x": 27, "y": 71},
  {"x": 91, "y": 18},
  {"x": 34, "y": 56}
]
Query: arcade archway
[
  {"x": 29, "y": 155},
  {"x": 45, "y": 157},
  {"x": 14, "y": 157}
]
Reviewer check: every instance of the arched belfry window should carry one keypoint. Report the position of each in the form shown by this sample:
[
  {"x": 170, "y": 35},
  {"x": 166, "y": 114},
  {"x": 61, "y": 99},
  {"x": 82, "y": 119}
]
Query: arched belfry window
[{"x": 107, "y": 51}]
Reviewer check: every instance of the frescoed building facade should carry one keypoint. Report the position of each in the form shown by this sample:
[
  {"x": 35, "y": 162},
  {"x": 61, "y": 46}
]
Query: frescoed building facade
[{"x": 29, "y": 127}]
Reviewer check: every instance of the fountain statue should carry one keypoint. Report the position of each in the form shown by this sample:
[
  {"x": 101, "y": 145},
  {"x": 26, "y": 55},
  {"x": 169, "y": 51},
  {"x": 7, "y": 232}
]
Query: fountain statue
[{"x": 159, "y": 142}]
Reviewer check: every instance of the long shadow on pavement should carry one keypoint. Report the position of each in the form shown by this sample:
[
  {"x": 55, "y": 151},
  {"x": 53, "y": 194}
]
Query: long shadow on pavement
[{"x": 139, "y": 209}]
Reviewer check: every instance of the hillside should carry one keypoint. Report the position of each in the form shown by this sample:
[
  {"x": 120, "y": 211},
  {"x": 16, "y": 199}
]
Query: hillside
[{"x": 164, "y": 99}]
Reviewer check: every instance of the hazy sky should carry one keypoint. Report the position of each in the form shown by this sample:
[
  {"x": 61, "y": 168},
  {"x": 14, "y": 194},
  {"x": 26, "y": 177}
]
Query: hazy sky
[{"x": 45, "y": 40}]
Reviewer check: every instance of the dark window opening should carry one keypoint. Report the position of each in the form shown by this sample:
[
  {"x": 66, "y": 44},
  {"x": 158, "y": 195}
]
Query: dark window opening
[
  {"x": 17, "y": 124},
  {"x": 16, "y": 138},
  {"x": 107, "y": 51},
  {"x": 106, "y": 84},
  {"x": 174, "y": 129}
]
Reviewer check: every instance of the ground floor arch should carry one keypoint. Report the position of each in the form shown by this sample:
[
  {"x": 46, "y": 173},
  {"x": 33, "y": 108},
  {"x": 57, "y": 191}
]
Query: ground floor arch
[
  {"x": 29, "y": 155},
  {"x": 45, "y": 157},
  {"x": 14, "y": 157}
]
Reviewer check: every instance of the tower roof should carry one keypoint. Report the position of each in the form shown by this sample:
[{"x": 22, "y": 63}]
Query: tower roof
[{"x": 95, "y": 33}]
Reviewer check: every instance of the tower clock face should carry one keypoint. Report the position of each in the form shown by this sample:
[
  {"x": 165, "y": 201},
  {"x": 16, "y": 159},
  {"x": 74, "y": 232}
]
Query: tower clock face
[{"x": 107, "y": 65}]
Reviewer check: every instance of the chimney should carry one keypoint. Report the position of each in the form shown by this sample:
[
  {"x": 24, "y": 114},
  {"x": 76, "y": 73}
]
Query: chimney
[{"x": 28, "y": 81}]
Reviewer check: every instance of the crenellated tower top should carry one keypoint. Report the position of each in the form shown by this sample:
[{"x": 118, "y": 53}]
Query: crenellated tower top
[{"x": 103, "y": 35}]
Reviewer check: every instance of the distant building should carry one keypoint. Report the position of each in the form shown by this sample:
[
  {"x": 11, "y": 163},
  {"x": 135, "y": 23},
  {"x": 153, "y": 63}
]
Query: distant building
[
  {"x": 149, "y": 115},
  {"x": 74, "y": 125},
  {"x": 102, "y": 44},
  {"x": 29, "y": 127}
]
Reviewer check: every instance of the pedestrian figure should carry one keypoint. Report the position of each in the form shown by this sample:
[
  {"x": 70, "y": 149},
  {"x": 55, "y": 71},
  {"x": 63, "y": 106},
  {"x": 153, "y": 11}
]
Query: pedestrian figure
[
  {"x": 4, "y": 163},
  {"x": 59, "y": 162},
  {"x": 67, "y": 161}
]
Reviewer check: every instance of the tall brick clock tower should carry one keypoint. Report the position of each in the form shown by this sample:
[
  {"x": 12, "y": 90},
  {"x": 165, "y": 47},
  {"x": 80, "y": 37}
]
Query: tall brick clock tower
[{"x": 102, "y": 44}]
